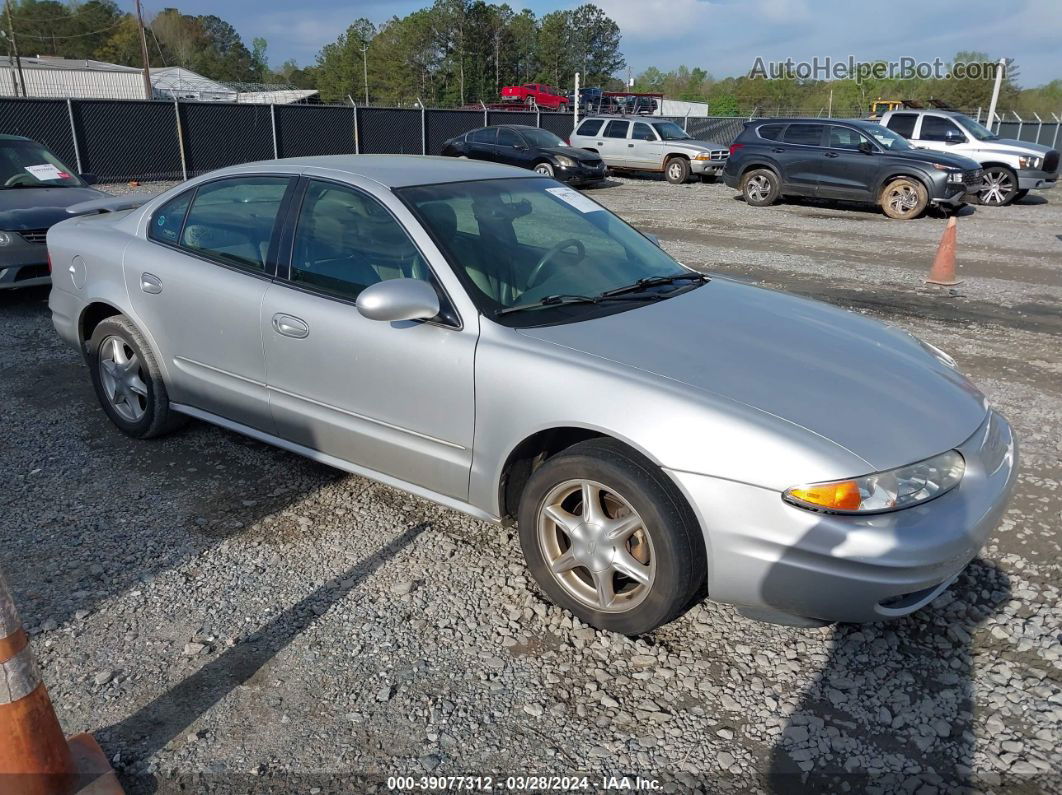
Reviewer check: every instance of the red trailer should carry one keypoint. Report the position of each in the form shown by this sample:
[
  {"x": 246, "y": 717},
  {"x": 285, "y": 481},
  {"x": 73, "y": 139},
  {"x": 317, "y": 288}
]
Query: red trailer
[{"x": 535, "y": 94}]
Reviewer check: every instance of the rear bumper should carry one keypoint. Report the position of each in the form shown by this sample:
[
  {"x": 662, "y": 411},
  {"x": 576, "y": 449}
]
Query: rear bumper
[
  {"x": 1031, "y": 179},
  {"x": 66, "y": 311},
  {"x": 778, "y": 559}
]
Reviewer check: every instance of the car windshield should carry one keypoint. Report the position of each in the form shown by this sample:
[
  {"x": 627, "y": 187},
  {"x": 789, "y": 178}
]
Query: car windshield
[
  {"x": 670, "y": 131},
  {"x": 887, "y": 139},
  {"x": 542, "y": 138},
  {"x": 28, "y": 164},
  {"x": 516, "y": 242},
  {"x": 977, "y": 130}
]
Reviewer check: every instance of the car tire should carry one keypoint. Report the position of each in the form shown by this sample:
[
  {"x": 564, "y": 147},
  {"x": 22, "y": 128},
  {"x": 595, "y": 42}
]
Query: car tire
[
  {"x": 543, "y": 168},
  {"x": 128, "y": 381},
  {"x": 1000, "y": 187},
  {"x": 662, "y": 547},
  {"x": 677, "y": 170},
  {"x": 760, "y": 187},
  {"x": 904, "y": 198}
]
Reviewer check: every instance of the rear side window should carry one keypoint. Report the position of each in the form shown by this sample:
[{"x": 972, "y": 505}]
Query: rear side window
[
  {"x": 616, "y": 129},
  {"x": 772, "y": 132},
  {"x": 232, "y": 220},
  {"x": 806, "y": 134},
  {"x": 167, "y": 221},
  {"x": 902, "y": 123},
  {"x": 590, "y": 127},
  {"x": 485, "y": 136}
]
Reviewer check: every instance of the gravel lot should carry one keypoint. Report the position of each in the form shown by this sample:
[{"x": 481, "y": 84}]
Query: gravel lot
[{"x": 224, "y": 615}]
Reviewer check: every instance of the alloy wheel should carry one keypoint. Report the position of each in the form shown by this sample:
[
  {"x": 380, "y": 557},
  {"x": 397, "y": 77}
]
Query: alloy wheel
[
  {"x": 902, "y": 198},
  {"x": 122, "y": 376},
  {"x": 596, "y": 546},
  {"x": 757, "y": 188},
  {"x": 675, "y": 170},
  {"x": 996, "y": 187}
]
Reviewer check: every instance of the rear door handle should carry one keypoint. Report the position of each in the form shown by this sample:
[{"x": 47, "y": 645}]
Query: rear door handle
[
  {"x": 150, "y": 283},
  {"x": 290, "y": 326},
  {"x": 832, "y": 154},
  {"x": 778, "y": 149},
  {"x": 630, "y": 144}
]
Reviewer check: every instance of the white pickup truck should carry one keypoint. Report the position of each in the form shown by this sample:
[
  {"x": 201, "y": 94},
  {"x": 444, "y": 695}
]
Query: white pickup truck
[{"x": 1011, "y": 168}]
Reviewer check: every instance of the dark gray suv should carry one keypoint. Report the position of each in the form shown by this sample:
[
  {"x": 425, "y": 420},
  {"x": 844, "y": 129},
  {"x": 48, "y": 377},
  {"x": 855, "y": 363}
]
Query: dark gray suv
[{"x": 851, "y": 160}]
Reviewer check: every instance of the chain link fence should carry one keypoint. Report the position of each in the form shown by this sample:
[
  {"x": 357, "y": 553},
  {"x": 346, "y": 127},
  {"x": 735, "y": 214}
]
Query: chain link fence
[{"x": 119, "y": 140}]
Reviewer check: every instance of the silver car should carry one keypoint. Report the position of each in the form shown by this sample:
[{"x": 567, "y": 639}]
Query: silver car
[
  {"x": 644, "y": 144},
  {"x": 501, "y": 344}
]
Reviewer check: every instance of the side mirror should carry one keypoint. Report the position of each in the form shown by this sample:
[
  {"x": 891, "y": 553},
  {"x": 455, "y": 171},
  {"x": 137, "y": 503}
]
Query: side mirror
[
  {"x": 399, "y": 299},
  {"x": 866, "y": 148},
  {"x": 88, "y": 179},
  {"x": 954, "y": 137}
]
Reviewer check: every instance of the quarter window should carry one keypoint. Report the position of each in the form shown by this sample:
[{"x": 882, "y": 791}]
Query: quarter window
[
  {"x": 346, "y": 240},
  {"x": 590, "y": 127},
  {"x": 772, "y": 132},
  {"x": 903, "y": 124},
  {"x": 806, "y": 134},
  {"x": 232, "y": 220},
  {"x": 616, "y": 129},
  {"x": 167, "y": 221}
]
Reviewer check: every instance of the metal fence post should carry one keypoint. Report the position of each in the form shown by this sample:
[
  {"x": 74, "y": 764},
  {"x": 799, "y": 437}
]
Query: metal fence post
[
  {"x": 180, "y": 138},
  {"x": 73, "y": 134},
  {"x": 423, "y": 130},
  {"x": 538, "y": 118},
  {"x": 1039, "y": 126},
  {"x": 273, "y": 123},
  {"x": 1058, "y": 124},
  {"x": 1020, "y": 124},
  {"x": 357, "y": 137},
  {"x": 486, "y": 121},
  {"x": 686, "y": 120}
]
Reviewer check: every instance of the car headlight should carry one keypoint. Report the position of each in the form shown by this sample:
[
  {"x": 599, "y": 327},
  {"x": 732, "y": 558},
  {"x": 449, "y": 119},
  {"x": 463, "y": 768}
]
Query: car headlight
[
  {"x": 883, "y": 491},
  {"x": 564, "y": 161},
  {"x": 1028, "y": 162},
  {"x": 5, "y": 238},
  {"x": 953, "y": 175}
]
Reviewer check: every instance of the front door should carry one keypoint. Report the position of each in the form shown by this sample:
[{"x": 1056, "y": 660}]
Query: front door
[
  {"x": 938, "y": 133},
  {"x": 198, "y": 280},
  {"x": 396, "y": 398},
  {"x": 846, "y": 171},
  {"x": 644, "y": 150}
]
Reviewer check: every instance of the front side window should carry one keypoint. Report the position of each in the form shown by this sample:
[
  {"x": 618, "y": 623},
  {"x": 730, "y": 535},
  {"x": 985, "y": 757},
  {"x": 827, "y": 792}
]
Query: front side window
[
  {"x": 887, "y": 138},
  {"x": 28, "y": 164},
  {"x": 167, "y": 221},
  {"x": 616, "y": 129},
  {"x": 346, "y": 240},
  {"x": 642, "y": 132},
  {"x": 903, "y": 123},
  {"x": 590, "y": 127},
  {"x": 844, "y": 138},
  {"x": 976, "y": 129},
  {"x": 508, "y": 138},
  {"x": 804, "y": 134},
  {"x": 541, "y": 138},
  {"x": 517, "y": 241},
  {"x": 937, "y": 128},
  {"x": 232, "y": 220}
]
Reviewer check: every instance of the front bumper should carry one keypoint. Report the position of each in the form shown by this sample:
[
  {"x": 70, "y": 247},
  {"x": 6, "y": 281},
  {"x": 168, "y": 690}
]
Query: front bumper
[
  {"x": 581, "y": 173},
  {"x": 1032, "y": 179},
  {"x": 960, "y": 195},
  {"x": 785, "y": 561},
  {"x": 707, "y": 167},
  {"x": 24, "y": 265}
]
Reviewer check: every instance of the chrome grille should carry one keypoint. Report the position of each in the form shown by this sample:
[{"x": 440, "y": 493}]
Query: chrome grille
[{"x": 34, "y": 235}]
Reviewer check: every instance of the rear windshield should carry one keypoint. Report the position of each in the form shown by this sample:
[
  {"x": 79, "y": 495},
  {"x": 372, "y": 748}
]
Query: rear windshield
[{"x": 26, "y": 164}]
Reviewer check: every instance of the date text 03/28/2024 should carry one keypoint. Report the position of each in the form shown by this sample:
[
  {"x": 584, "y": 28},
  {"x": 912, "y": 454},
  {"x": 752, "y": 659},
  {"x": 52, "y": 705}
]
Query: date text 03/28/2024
[{"x": 521, "y": 783}]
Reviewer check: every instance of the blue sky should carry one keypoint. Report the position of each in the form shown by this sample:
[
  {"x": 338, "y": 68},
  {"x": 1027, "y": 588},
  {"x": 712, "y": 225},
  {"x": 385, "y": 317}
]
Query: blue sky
[{"x": 722, "y": 36}]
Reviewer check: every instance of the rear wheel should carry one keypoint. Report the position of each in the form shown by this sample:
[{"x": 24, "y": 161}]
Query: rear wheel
[
  {"x": 677, "y": 170},
  {"x": 999, "y": 186},
  {"x": 760, "y": 187},
  {"x": 904, "y": 198},
  {"x": 544, "y": 168},
  {"x": 128, "y": 381},
  {"x": 608, "y": 538}
]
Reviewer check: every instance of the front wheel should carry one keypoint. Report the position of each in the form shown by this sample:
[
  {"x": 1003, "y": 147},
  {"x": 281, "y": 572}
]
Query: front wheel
[
  {"x": 677, "y": 170},
  {"x": 609, "y": 539},
  {"x": 128, "y": 381},
  {"x": 999, "y": 186},
  {"x": 544, "y": 168},
  {"x": 904, "y": 198}
]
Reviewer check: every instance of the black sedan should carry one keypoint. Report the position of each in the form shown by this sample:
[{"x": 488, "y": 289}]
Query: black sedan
[
  {"x": 35, "y": 190},
  {"x": 528, "y": 147}
]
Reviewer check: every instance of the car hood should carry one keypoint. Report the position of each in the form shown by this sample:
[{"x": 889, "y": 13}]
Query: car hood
[
  {"x": 1010, "y": 146},
  {"x": 941, "y": 158},
  {"x": 573, "y": 152},
  {"x": 39, "y": 208},
  {"x": 873, "y": 390}
]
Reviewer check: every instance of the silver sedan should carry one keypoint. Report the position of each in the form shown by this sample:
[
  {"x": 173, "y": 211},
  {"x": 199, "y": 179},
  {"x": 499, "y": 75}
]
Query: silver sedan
[{"x": 503, "y": 345}]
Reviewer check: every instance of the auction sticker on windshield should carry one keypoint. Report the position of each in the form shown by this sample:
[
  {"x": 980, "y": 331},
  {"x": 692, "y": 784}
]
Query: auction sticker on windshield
[
  {"x": 46, "y": 171},
  {"x": 575, "y": 199}
]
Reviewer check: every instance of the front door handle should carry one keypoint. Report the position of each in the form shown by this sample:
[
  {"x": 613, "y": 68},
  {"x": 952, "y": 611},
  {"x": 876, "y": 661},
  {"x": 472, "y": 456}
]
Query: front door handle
[
  {"x": 150, "y": 283},
  {"x": 778, "y": 149},
  {"x": 630, "y": 144},
  {"x": 832, "y": 154},
  {"x": 290, "y": 326}
]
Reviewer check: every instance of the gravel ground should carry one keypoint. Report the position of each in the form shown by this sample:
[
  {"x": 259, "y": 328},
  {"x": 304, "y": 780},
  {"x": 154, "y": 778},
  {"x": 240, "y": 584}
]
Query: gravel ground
[{"x": 224, "y": 615}]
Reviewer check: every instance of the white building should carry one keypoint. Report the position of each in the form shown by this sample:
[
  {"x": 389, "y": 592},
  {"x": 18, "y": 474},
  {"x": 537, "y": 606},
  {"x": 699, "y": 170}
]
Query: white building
[{"x": 175, "y": 82}]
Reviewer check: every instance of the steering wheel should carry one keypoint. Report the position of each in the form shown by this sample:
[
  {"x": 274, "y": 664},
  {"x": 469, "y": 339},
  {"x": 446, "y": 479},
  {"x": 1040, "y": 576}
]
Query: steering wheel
[
  {"x": 536, "y": 272},
  {"x": 20, "y": 179}
]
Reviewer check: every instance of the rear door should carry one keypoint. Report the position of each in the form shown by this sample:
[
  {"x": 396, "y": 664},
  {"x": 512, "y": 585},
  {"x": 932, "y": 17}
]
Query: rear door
[
  {"x": 481, "y": 143},
  {"x": 197, "y": 282},
  {"x": 800, "y": 154},
  {"x": 612, "y": 143},
  {"x": 846, "y": 172}
]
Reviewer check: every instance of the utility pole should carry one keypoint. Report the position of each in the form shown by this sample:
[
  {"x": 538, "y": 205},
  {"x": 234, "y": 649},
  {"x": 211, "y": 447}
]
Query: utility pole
[
  {"x": 14, "y": 47},
  {"x": 365, "y": 68},
  {"x": 143, "y": 50},
  {"x": 1000, "y": 69}
]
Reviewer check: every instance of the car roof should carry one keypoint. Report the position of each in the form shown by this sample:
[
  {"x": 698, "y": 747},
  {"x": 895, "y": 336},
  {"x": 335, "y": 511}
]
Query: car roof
[{"x": 394, "y": 171}]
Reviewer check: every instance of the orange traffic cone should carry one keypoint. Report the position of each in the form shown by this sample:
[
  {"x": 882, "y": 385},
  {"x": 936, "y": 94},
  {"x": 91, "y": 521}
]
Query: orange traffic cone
[
  {"x": 35, "y": 758},
  {"x": 943, "y": 270}
]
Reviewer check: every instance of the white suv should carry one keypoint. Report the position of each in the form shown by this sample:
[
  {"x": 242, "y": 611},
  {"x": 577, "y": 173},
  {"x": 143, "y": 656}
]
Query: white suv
[
  {"x": 1011, "y": 168},
  {"x": 650, "y": 145}
]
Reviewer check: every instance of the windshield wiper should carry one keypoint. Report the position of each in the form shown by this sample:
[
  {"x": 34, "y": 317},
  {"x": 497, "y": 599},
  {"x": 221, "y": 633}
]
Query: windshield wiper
[
  {"x": 561, "y": 300},
  {"x": 655, "y": 281}
]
